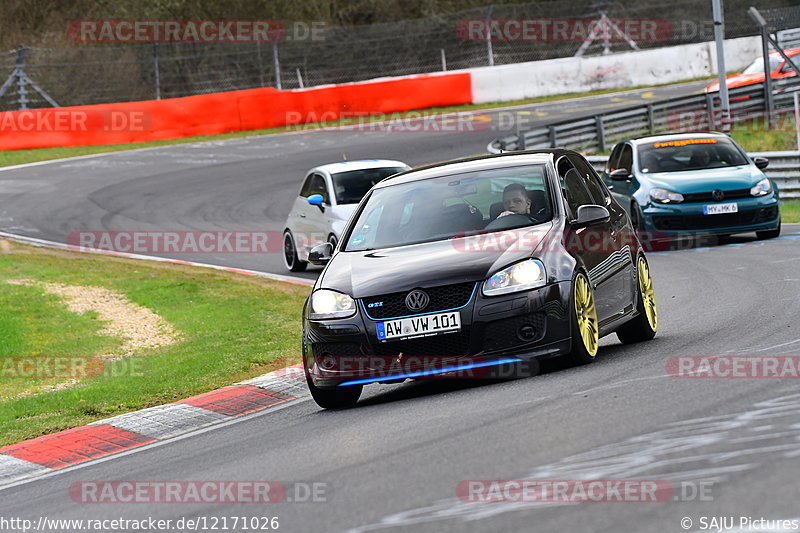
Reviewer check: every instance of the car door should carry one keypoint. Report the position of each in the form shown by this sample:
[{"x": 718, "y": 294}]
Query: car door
[
  {"x": 311, "y": 220},
  {"x": 589, "y": 244},
  {"x": 618, "y": 243}
]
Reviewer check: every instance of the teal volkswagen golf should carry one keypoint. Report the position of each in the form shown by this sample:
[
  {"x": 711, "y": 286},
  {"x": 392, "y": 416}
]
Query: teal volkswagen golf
[{"x": 695, "y": 183}]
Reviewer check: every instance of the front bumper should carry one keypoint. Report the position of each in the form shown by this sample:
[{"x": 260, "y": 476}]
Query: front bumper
[
  {"x": 494, "y": 331},
  {"x": 676, "y": 220}
]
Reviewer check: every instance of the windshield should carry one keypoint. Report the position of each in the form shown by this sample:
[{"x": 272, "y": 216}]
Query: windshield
[
  {"x": 689, "y": 154},
  {"x": 757, "y": 66},
  {"x": 350, "y": 187},
  {"x": 450, "y": 206}
]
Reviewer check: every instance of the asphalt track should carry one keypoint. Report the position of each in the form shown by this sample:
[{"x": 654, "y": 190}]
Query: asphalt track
[
  {"x": 394, "y": 462},
  {"x": 248, "y": 183}
]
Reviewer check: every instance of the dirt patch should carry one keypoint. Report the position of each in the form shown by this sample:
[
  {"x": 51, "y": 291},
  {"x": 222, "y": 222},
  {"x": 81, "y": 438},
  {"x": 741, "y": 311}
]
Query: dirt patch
[{"x": 139, "y": 327}]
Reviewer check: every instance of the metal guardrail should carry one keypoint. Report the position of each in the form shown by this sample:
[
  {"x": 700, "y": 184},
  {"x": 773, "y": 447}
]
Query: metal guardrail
[
  {"x": 783, "y": 169},
  {"x": 698, "y": 112}
]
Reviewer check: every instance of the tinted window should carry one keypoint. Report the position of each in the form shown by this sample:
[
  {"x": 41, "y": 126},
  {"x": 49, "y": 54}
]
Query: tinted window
[
  {"x": 612, "y": 160},
  {"x": 305, "y": 190},
  {"x": 626, "y": 159},
  {"x": 450, "y": 206},
  {"x": 350, "y": 187},
  {"x": 573, "y": 186},
  {"x": 689, "y": 154},
  {"x": 316, "y": 185},
  {"x": 591, "y": 180}
]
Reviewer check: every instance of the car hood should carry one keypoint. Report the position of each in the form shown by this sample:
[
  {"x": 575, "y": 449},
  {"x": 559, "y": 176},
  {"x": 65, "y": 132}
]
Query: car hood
[
  {"x": 369, "y": 273},
  {"x": 737, "y": 80},
  {"x": 705, "y": 180}
]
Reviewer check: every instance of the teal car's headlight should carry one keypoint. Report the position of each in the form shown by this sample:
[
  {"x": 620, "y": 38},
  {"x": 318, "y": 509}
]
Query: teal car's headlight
[
  {"x": 663, "y": 196},
  {"x": 520, "y": 277},
  {"x": 327, "y": 304},
  {"x": 761, "y": 188}
]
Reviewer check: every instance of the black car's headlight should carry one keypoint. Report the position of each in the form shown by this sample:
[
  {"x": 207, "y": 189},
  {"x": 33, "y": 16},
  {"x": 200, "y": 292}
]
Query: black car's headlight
[
  {"x": 761, "y": 188},
  {"x": 519, "y": 277},
  {"x": 663, "y": 196},
  {"x": 327, "y": 304}
]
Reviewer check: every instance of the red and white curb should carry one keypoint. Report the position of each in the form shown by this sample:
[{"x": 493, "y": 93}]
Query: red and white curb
[
  {"x": 50, "y": 453},
  {"x": 121, "y": 433}
]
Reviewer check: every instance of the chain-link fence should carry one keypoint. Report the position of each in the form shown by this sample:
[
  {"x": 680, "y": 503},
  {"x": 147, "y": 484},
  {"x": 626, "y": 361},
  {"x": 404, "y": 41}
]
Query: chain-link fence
[{"x": 92, "y": 74}]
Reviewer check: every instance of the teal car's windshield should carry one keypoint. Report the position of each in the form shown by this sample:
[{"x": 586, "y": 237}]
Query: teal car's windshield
[
  {"x": 689, "y": 154},
  {"x": 451, "y": 206}
]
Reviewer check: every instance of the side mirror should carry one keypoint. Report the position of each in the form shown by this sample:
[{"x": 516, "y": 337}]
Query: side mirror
[
  {"x": 316, "y": 199},
  {"x": 320, "y": 254},
  {"x": 761, "y": 162},
  {"x": 619, "y": 174},
  {"x": 589, "y": 215}
]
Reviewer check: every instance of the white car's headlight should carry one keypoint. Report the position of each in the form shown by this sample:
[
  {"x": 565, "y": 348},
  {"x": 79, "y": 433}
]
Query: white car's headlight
[
  {"x": 663, "y": 196},
  {"x": 331, "y": 304},
  {"x": 520, "y": 277},
  {"x": 761, "y": 188}
]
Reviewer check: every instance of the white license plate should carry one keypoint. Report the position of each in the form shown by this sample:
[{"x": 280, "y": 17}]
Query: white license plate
[
  {"x": 419, "y": 326},
  {"x": 718, "y": 209}
]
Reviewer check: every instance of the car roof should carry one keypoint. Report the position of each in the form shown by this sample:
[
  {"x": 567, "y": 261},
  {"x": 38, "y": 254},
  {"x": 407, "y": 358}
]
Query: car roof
[
  {"x": 361, "y": 164},
  {"x": 469, "y": 164},
  {"x": 678, "y": 137}
]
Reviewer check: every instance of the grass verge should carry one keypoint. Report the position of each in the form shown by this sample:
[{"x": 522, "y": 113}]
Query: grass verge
[
  {"x": 754, "y": 135},
  {"x": 232, "y": 327},
  {"x": 790, "y": 211}
]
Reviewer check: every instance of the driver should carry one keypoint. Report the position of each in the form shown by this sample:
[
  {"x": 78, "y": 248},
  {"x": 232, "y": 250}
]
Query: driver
[
  {"x": 700, "y": 158},
  {"x": 515, "y": 200}
]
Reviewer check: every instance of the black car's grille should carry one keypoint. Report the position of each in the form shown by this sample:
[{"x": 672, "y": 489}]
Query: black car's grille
[
  {"x": 501, "y": 334},
  {"x": 709, "y": 197},
  {"x": 441, "y": 298},
  {"x": 449, "y": 344},
  {"x": 341, "y": 349},
  {"x": 700, "y": 222}
]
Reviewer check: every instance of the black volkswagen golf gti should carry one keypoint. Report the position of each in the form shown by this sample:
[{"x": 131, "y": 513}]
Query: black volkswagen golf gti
[{"x": 455, "y": 268}]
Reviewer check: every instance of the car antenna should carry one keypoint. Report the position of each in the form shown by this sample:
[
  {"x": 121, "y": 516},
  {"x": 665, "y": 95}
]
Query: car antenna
[{"x": 344, "y": 157}]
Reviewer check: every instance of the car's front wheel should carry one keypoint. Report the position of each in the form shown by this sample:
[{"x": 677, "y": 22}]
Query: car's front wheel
[
  {"x": 585, "y": 326},
  {"x": 290, "y": 260},
  {"x": 339, "y": 398},
  {"x": 645, "y": 325},
  {"x": 769, "y": 234}
]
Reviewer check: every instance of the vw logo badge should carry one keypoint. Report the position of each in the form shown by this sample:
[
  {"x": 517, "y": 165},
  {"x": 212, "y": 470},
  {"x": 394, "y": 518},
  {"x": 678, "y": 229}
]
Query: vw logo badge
[
  {"x": 717, "y": 195},
  {"x": 417, "y": 300}
]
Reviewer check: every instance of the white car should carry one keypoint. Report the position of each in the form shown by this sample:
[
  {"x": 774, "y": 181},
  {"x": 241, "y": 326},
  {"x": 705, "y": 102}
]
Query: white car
[{"x": 329, "y": 195}]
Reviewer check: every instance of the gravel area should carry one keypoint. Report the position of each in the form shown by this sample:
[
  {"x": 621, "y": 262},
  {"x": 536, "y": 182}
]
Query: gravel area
[{"x": 139, "y": 327}]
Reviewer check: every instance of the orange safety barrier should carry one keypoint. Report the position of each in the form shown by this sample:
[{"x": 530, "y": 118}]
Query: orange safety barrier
[{"x": 226, "y": 112}]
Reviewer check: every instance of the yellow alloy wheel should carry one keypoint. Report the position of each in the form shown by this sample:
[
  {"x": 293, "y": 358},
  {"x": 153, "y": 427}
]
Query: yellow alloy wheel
[
  {"x": 648, "y": 294},
  {"x": 587, "y": 315}
]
